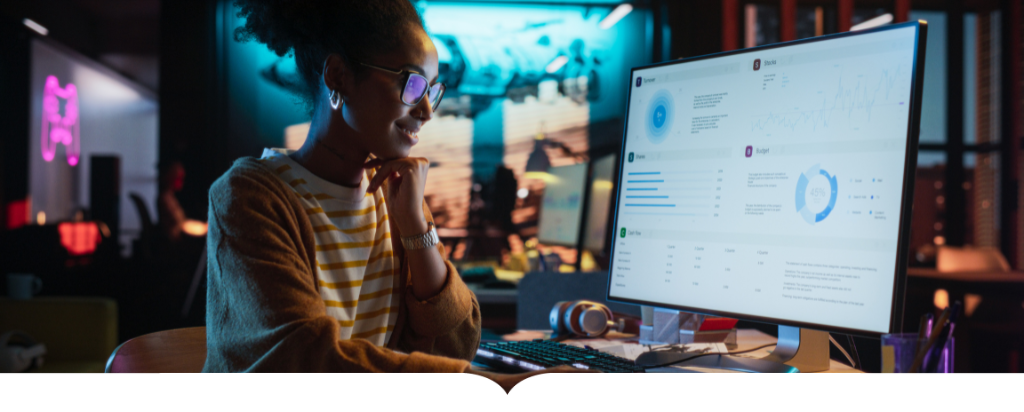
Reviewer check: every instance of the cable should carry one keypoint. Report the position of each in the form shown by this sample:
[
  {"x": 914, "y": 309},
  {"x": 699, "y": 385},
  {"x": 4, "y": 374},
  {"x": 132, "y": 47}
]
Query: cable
[
  {"x": 840, "y": 347},
  {"x": 853, "y": 348},
  {"x": 708, "y": 354}
]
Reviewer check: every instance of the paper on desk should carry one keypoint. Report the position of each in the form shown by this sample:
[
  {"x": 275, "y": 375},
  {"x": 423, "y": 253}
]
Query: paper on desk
[{"x": 632, "y": 351}]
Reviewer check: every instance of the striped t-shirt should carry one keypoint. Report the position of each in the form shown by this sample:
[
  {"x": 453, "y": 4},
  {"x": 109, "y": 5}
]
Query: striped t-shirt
[{"x": 353, "y": 249}]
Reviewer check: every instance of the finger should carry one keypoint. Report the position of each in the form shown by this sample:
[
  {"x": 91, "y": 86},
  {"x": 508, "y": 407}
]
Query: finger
[
  {"x": 384, "y": 172},
  {"x": 387, "y": 169},
  {"x": 372, "y": 163}
]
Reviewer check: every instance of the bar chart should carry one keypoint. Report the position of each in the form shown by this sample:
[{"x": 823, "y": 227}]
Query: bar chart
[{"x": 678, "y": 193}]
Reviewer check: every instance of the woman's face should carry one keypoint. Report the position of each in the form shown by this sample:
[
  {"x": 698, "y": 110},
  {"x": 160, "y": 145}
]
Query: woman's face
[{"x": 385, "y": 125}]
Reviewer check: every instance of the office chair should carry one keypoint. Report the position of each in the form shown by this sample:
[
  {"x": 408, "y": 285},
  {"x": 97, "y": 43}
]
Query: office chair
[
  {"x": 539, "y": 291},
  {"x": 169, "y": 351},
  {"x": 144, "y": 246}
]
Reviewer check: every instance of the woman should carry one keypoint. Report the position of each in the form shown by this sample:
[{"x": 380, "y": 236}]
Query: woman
[{"x": 323, "y": 260}]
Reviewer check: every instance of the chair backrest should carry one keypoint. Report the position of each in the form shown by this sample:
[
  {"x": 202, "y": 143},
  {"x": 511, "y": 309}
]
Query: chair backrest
[
  {"x": 970, "y": 259},
  {"x": 539, "y": 291},
  {"x": 169, "y": 351},
  {"x": 143, "y": 246},
  {"x": 140, "y": 207}
]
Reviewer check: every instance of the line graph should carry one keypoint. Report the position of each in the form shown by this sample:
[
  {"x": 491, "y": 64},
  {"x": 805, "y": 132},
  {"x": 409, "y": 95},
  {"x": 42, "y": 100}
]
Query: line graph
[{"x": 862, "y": 97}]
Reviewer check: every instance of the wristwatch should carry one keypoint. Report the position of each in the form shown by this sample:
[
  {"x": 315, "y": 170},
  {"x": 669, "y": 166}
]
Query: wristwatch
[{"x": 423, "y": 241}]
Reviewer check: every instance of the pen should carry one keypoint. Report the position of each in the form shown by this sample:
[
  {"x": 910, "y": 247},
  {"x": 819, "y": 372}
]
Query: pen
[
  {"x": 928, "y": 327},
  {"x": 936, "y": 352},
  {"x": 921, "y": 334},
  {"x": 922, "y": 330},
  {"x": 931, "y": 340}
]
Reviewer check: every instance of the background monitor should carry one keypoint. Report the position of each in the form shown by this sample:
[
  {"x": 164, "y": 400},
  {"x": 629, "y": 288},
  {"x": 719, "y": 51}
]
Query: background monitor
[
  {"x": 561, "y": 206},
  {"x": 774, "y": 183},
  {"x": 599, "y": 204}
]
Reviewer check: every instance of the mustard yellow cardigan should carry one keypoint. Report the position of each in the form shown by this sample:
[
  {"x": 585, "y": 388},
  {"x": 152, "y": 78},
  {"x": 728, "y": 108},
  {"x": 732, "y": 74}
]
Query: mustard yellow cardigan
[{"x": 264, "y": 312}]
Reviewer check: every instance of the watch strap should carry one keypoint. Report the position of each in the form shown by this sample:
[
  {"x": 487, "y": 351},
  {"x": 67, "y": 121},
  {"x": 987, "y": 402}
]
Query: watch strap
[{"x": 421, "y": 241}]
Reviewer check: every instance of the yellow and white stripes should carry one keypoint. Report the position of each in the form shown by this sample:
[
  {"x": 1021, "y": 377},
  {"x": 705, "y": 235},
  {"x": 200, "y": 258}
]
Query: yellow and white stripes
[{"x": 355, "y": 267}]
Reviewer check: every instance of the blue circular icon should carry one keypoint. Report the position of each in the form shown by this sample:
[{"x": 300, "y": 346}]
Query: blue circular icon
[
  {"x": 801, "y": 195},
  {"x": 659, "y": 116}
]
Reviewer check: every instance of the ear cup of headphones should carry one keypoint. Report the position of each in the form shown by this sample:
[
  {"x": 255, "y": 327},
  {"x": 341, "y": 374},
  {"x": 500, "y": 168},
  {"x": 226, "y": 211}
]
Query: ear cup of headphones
[
  {"x": 584, "y": 317},
  {"x": 593, "y": 321},
  {"x": 555, "y": 318},
  {"x": 19, "y": 357}
]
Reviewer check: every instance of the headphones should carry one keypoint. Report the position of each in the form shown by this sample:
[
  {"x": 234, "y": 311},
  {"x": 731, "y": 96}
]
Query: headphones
[
  {"x": 583, "y": 318},
  {"x": 21, "y": 356}
]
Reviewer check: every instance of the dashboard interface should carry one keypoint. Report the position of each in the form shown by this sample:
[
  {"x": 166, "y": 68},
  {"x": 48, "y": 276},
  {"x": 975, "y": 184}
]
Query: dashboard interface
[{"x": 769, "y": 183}]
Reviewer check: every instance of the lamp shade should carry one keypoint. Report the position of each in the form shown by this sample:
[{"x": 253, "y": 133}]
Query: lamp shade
[{"x": 538, "y": 161}]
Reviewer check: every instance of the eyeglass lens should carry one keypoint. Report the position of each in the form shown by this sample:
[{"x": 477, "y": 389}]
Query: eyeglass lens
[
  {"x": 417, "y": 86},
  {"x": 414, "y": 89},
  {"x": 435, "y": 95}
]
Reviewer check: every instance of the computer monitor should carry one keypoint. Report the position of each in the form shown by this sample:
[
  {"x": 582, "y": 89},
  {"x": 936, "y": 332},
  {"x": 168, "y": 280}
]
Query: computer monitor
[
  {"x": 561, "y": 205},
  {"x": 774, "y": 184},
  {"x": 599, "y": 203}
]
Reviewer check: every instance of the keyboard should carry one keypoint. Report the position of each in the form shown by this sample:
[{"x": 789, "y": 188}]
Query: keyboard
[{"x": 525, "y": 356}]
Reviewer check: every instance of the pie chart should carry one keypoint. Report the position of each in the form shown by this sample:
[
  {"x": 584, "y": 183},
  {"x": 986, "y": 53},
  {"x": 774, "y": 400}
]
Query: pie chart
[{"x": 816, "y": 194}]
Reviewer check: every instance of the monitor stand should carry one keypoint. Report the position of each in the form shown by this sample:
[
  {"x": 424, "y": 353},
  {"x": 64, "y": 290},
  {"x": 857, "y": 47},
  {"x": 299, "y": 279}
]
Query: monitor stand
[{"x": 798, "y": 350}]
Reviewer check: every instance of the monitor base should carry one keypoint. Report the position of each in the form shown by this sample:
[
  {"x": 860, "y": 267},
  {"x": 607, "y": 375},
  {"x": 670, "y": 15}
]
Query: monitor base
[
  {"x": 728, "y": 362},
  {"x": 798, "y": 350}
]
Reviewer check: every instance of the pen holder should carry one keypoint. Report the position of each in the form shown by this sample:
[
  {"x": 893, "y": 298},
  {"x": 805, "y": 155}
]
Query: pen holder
[{"x": 900, "y": 349}]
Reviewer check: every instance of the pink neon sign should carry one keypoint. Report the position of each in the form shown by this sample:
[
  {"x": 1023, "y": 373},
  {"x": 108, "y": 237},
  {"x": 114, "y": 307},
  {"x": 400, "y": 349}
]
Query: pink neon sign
[{"x": 58, "y": 129}]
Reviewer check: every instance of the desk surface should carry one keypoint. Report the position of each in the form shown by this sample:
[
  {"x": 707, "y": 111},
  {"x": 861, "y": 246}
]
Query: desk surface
[
  {"x": 980, "y": 276},
  {"x": 745, "y": 339}
]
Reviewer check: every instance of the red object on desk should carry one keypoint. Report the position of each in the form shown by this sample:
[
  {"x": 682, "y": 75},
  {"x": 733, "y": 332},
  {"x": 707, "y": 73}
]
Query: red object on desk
[
  {"x": 718, "y": 324},
  {"x": 17, "y": 213},
  {"x": 79, "y": 238}
]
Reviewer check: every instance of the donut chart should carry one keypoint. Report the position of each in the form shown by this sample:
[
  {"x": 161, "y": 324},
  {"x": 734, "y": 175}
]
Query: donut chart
[
  {"x": 801, "y": 195},
  {"x": 659, "y": 116}
]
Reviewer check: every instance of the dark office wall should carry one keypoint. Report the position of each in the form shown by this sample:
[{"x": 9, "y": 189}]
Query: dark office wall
[
  {"x": 191, "y": 98},
  {"x": 14, "y": 110},
  {"x": 696, "y": 27}
]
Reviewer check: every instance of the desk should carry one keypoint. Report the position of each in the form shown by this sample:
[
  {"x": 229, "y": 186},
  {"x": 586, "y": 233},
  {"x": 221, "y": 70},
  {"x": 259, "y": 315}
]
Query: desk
[
  {"x": 990, "y": 338},
  {"x": 1008, "y": 284},
  {"x": 980, "y": 276},
  {"x": 745, "y": 339}
]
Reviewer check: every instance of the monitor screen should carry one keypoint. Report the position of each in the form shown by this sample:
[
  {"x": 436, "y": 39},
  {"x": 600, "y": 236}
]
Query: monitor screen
[
  {"x": 771, "y": 184},
  {"x": 599, "y": 204},
  {"x": 561, "y": 206}
]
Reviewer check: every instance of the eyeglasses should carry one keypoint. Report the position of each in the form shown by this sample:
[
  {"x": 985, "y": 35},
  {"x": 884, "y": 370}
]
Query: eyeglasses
[{"x": 416, "y": 87}]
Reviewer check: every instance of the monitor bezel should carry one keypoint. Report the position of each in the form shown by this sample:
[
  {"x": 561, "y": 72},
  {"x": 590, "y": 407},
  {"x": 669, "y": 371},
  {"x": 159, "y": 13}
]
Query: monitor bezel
[{"x": 910, "y": 166}]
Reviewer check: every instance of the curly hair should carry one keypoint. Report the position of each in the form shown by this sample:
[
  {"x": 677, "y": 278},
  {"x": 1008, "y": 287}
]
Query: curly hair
[{"x": 313, "y": 29}]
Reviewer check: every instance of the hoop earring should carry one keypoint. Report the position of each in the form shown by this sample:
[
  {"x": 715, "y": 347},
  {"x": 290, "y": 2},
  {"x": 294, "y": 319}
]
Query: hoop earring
[{"x": 335, "y": 99}]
